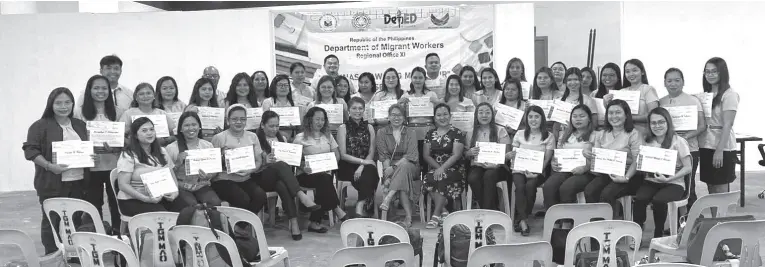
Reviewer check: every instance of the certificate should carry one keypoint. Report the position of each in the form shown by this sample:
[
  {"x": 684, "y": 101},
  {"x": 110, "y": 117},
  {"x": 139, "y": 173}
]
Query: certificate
[
  {"x": 631, "y": 97},
  {"x": 381, "y": 108},
  {"x": 568, "y": 159},
  {"x": 289, "y": 153},
  {"x": 212, "y": 118},
  {"x": 159, "y": 183},
  {"x": 528, "y": 160},
  {"x": 334, "y": 112},
  {"x": 561, "y": 111},
  {"x": 288, "y": 116},
  {"x": 706, "y": 103},
  {"x": 75, "y": 154},
  {"x": 684, "y": 118},
  {"x": 657, "y": 160},
  {"x": 546, "y": 105},
  {"x": 526, "y": 88},
  {"x": 420, "y": 107},
  {"x": 207, "y": 160},
  {"x": 508, "y": 116},
  {"x": 321, "y": 162},
  {"x": 160, "y": 124},
  {"x": 112, "y": 133},
  {"x": 240, "y": 159},
  {"x": 175, "y": 117},
  {"x": 253, "y": 118},
  {"x": 601, "y": 108},
  {"x": 489, "y": 152},
  {"x": 463, "y": 121},
  {"x": 609, "y": 161}
]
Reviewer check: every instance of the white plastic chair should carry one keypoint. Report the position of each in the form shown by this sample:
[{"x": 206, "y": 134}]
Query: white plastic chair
[
  {"x": 372, "y": 228},
  {"x": 340, "y": 185},
  {"x": 667, "y": 245},
  {"x": 92, "y": 246},
  {"x": 125, "y": 219},
  {"x": 506, "y": 204},
  {"x": 471, "y": 219},
  {"x": 65, "y": 208},
  {"x": 271, "y": 199},
  {"x": 237, "y": 215},
  {"x": 747, "y": 231},
  {"x": 374, "y": 256},
  {"x": 615, "y": 230},
  {"x": 158, "y": 224},
  {"x": 24, "y": 242},
  {"x": 673, "y": 207},
  {"x": 203, "y": 236},
  {"x": 310, "y": 192},
  {"x": 669, "y": 264},
  {"x": 523, "y": 254},
  {"x": 580, "y": 213},
  {"x": 626, "y": 202}
]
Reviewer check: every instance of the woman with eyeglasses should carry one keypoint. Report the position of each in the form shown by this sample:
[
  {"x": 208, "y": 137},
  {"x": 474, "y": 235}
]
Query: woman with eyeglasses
[
  {"x": 390, "y": 90},
  {"x": 281, "y": 96},
  {"x": 167, "y": 95},
  {"x": 397, "y": 150},
  {"x": 326, "y": 94},
  {"x": 573, "y": 93},
  {"x": 355, "y": 140},
  {"x": 204, "y": 94},
  {"x": 636, "y": 80},
  {"x": 483, "y": 177}
]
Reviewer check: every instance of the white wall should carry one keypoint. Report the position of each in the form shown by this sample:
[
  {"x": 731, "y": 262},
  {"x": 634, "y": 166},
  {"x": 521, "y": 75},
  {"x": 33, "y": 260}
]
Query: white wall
[{"x": 686, "y": 34}]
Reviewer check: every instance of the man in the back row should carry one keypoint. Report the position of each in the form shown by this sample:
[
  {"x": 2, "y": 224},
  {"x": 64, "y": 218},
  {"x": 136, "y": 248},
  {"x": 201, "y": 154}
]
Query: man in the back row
[
  {"x": 111, "y": 68},
  {"x": 331, "y": 68},
  {"x": 212, "y": 73}
]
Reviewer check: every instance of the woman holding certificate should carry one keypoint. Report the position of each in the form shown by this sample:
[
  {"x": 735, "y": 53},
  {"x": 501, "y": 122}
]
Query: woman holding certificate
[
  {"x": 316, "y": 139},
  {"x": 641, "y": 97},
  {"x": 390, "y": 92},
  {"x": 574, "y": 95},
  {"x": 512, "y": 96},
  {"x": 167, "y": 95},
  {"x": 204, "y": 95},
  {"x": 491, "y": 90},
  {"x": 326, "y": 98},
  {"x": 443, "y": 151},
  {"x": 571, "y": 171},
  {"x": 53, "y": 177},
  {"x": 281, "y": 96},
  {"x": 419, "y": 102},
  {"x": 659, "y": 189},
  {"x": 484, "y": 175},
  {"x": 357, "y": 151},
  {"x": 397, "y": 150},
  {"x": 144, "y": 106},
  {"x": 532, "y": 150},
  {"x": 455, "y": 96},
  {"x": 193, "y": 188},
  {"x": 242, "y": 91},
  {"x": 517, "y": 70},
  {"x": 610, "y": 80}
]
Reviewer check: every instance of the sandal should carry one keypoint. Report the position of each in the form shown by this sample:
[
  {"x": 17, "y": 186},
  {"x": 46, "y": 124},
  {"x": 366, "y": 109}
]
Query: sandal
[
  {"x": 433, "y": 223},
  {"x": 384, "y": 206}
]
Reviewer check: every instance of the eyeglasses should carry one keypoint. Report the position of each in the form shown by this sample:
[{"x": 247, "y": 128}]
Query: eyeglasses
[
  {"x": 391, "y": 78},
  {"x": 711, "y": 72},
  {"x": 282, "y": 85}
]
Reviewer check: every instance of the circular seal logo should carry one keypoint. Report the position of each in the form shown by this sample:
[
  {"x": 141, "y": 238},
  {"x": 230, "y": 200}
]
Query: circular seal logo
[
  {"x": 361, "y": 21},
  {"x": 328, "y": 23}
]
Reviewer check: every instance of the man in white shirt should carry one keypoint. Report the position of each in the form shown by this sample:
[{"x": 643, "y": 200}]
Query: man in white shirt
[
  {"x": 111, "y": 68},
  {"x": 212, "y": 73},
  {"x": 434, "y": 81},
  {"x": 331, "y": 68}
]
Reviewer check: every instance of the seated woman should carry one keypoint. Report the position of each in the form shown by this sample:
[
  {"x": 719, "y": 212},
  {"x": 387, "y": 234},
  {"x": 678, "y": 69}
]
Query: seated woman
[
  {"x": 483, "y": 177},
  {"x": 443, "y": 151},
  {"x": 357, "y": 151},
  {"x": 193, "y": 189},
  {"x": 316, "y": 139},
  {"x": 397, "y": 149},
  {"x": 659, "y": 189},
  {"x": 275, "y": 175},
  {"x": 143, "y": 155}
]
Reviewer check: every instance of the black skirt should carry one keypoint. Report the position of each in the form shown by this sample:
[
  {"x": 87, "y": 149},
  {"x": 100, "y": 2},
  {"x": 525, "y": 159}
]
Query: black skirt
[{"x": 717, "y": 176}]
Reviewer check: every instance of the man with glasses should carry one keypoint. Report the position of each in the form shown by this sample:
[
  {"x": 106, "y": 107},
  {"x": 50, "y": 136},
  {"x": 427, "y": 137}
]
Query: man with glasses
[
  {"x": 212, "y": 73},
  {"x": 111, "y": 68},
  {"x": 331, "y": 68}
]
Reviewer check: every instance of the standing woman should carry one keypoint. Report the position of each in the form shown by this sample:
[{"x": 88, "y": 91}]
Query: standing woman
[
  {"x": 517, "y": 70},
  {"x": 635, "y": 80},
  {"x": 367, "y": 87},
  {"x": 326, "y": 94},
  {"x": 589, "y": 81},
  {"x": 297, "y": 73},
  {"x": 610, "y": 79},
  {"x": 357, "y": 152},
  {"x": 98, "y": 105},
  {"x": 197, "y": 188},
  {"x": 491, "y": 90},
  {"x": 512, "y": 96},
  {"x": 544, "y": 88},
  {"x": 562, "y": 187},
  {"x": 281, "y": 96},
  {"x": 144, "y": 104},
  {"x": 573, "y": 93},
  {"x": 316, "y": 139},
  {"x": 343, "y": 88},
  {"x": 260, "y": 83},
  {"x": 455, "y": 96},
  {"x": 483, "y": 177},
  {"x": 559, "y": 71},
  {"x": 470, "y": 83},
  {"x": 242, "y": 91},
  {"x": 718, "y": 143},
  {"x": 390, "y": 90},
  {"x": 421, "y": 125},
  {"x": 239, "y": 189},
  {"x": 55, "y": 180},
  {"x": 443, "y": 150},
  {"x": 167, "y": 95},
  {"x": 204, "y": 95},
  {"x": 397, "y": 150}
]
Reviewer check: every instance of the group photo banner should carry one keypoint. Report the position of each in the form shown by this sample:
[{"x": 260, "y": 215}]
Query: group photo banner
[{"x": 375, "y": 39}]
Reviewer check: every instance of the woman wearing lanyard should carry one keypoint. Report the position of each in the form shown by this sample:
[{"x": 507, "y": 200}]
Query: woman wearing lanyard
[
  {"x": 367, "y": 87},
  {"x": 144, "y": 104},
  {"x": 242, "y": 91},
  {"x": 491, "y": 90},
  {"x": 167, "y": 95},
  {"x": 483, "y": 177},
  {"x": 562, "y": 186},
  {"x": 390, "y": 90},
  {"x": 281, "y": 96},
  {"x": 635, "y": 80},
  {"x": 455, "y": 96},
  {"x": 204, "y": 95},
  {"x": 55, "y": 180},
  {"x": 98, "y": 105},
  {"x": 420, "y": 125},
  {"x": 397, "y": 150},
  {"x": 297, "y": 73},
  {"x": 195, "y": 188},
  {"x": 260, "y": 86},
  {"x": 470, "y": 83},
  {"x": 610, "y": 79},
  {"x": 517, "y": 70},
  {"x": 443, "y": 150},
  {"x": 512, "y": 96},
  {"x": 717, "y": 145},
  {"x": 356, "y": 140}
]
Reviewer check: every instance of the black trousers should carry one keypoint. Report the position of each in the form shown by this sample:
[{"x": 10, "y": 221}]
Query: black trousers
[
  {"x": 604, "y": 190},
  {"x": 95, "y": 195},
  {"x": 132, "y": 207},
  {"x": 71, "y": 189},
  {"x": 526, "y": 193},
  {"x": 325, "y": 194},
  {"x": 244, "y": 195},
  {"x": 658, "y": 194},
  {"x": 366, "y": 184},
  {"x": 278, "y": 177},
  {"x": 203, "y": 195},
  {"x": 692, "y": 186},
  {"x": 483, "y": 183}
]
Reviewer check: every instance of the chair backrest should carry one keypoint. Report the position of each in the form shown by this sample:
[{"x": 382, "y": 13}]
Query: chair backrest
[
  {"x": 669, "y": 264},
  {"x": 236, "y": 215},
  {"x": 115, "y": 187},
  {"x": 21, "y": 239},
  {"x": 65, "y": 208},
  {"x": 720, "y": 200},
  {"x": 159, "y": 224},
  {"x": 199, "y": 238},
  {"x": 523, "y": 254},
  {"x": 748, "y": 231},
  {"x": 372, "y": 231},
  {"x": 92, "y": 246},
  {"x": 476, "y": 220},
  {"x": 374, "y": 255},
  {"x": 607, "y": 233},
  {"x": 580, "y": 213}
]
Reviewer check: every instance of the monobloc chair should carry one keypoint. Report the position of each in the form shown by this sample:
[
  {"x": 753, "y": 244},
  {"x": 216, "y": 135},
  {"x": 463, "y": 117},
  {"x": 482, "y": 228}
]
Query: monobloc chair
[
  {"x": 115, "y": 189},
  {"x": 507, "y": 203},
  {"x": 200, "y": 237},
  {"x": 669, "y": 264},
  {"x": 28, "y": 251},
  {"x": 373, "y": 229},
  {"x": 472, "y": 219},
  {"x": 748, "y": 231},
  {"x": 607, "y": 233},
  {"x": 158, "y": 225},
  {"x": 523, "y": 254},
  {"x": 580, "y": 213},
  {"x": 92, "y": 246},
  {"x": 66, "y": 208},
  {"x": 374, "y": 256},
  {"x": 270, "y": 256}
]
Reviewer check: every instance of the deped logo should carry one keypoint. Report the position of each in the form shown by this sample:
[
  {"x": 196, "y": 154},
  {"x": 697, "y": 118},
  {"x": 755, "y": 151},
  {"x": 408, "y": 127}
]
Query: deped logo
[{"x": 400, "y": 18}]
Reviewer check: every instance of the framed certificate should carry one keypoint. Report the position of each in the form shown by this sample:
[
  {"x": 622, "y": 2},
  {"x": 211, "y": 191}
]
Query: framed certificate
[
  {"x": 112, "y": 133},
  {"x": 159, "y": 183},
  {"x": 212, "y": 118},
  {"x": 240, "y": 159},
  {"x": 609, "y": 161},
  {"x": 657, "y": 160},
  {"x": 207, "y": 160}
]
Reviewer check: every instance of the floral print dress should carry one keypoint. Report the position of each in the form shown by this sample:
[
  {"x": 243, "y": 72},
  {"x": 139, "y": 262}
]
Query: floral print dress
[{"x": 441, "y": 147}]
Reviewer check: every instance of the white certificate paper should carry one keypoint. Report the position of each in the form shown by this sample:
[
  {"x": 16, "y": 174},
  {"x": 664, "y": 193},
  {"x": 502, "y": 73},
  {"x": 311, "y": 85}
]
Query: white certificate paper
[
  {"x": 609, "y": 161},
  {"x": 321, "y": 162},
  {"x": 546, "y": 105},
  {"x": 508, "y": 116},
  {"x": 174, "y": 117},
  {"x": 706, "y": 102},
  {"x": 334, "y": 112},
  {"x": 160, "y": 124},
  {"x": 75, "y": 154},
  {"x": 463, "y": 121},
  {"x": 684, "y": 118},
  {"x": 159, "y": 182},
  {"x": 570, "y": 158},
  {"x": 601, "y": 108},
  {"x": 112, "y": 133},
  {"x": 528, "y": 160},
  {"x": 207, "y": 160},
  {"x": 381, "y": 108},
  {"x": 561, "y": 111},
  {"x": 657, "y": 160},
  {"x": 254, "y": 115},
  {"x": 211, "y": 118},
  {"x": 288, "y": 116},
  {"x": 420, "y": 107},
  {"x": 631, "y": 97},
  {"x": 287, "y": 152},
  {"x": 490, "y": 152},
  {"x": 240, "y": 159}
]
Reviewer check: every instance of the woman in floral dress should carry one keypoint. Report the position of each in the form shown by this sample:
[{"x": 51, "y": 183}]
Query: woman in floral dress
[{"x": 442, "y": 152}]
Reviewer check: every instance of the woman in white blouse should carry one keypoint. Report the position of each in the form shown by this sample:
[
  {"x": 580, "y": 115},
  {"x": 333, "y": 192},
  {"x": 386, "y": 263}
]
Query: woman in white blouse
[
  {"x": 167, "y": 95},
  {"x": 483, "y": 177}
]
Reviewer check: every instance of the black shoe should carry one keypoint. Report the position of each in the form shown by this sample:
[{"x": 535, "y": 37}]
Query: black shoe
[
  {"x": 526, "y": 232},
  {"x": 516, "y": 227},
  {"x": 540, "y": 213},
  {"x": 320, "y": 230},
  {"x": 297, "y": 237},
  {"x": 313, "y": 208},
  {"x": 345, "y": 218}
]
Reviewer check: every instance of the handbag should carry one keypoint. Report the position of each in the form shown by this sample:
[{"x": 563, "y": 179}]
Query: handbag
[{"x": 699, "y": 232}]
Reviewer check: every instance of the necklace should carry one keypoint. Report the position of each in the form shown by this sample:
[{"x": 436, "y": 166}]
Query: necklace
[{"x": 238, "y": 138}]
